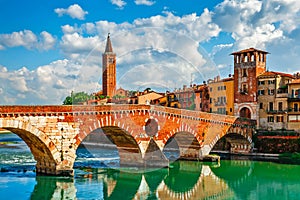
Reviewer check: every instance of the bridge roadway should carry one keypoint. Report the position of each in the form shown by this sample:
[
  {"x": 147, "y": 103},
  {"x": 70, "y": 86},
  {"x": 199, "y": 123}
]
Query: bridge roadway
[{"x": 140, "y": 132}]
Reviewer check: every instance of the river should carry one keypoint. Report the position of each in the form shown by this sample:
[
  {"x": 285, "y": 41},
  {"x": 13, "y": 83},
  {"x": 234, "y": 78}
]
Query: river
[{"x": 97, "y": 176}]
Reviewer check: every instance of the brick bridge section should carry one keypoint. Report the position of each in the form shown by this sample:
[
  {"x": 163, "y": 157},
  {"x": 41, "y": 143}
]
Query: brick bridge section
[{"x": 140, "y": 132}]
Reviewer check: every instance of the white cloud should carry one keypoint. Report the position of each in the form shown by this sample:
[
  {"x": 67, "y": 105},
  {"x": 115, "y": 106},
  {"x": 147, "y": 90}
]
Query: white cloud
[
  {"x": 74, "y": 11},
  {"x": 48, "y": 84},
  {"x": 270, "y": 25},
  {"x": 146, "y": 41},
  {"x": 28, "y": 40},
  {"x": 144, "y": 2},
  {"x": 119, "y": 3},
  {"x": 47, "y": 41}
]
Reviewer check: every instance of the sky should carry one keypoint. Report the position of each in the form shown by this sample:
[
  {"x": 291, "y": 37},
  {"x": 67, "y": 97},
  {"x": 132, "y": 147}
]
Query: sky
[{"x": 50, "y": 48}]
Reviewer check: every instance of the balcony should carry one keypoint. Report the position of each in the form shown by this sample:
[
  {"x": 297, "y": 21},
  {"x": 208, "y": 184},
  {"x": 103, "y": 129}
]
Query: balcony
[
  {"x": 282, "y": 95},
  {"x": 293, "y": 98},
  {"x": 278, "y": 111},
  {"x": 220, "y": 104}
]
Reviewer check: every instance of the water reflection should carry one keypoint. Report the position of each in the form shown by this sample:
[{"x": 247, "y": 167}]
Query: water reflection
[
  {"x": 53, "y": 188},
  {"x": 185, "y": 180}
]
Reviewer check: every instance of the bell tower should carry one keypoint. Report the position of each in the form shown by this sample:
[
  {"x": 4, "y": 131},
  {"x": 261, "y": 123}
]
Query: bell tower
[
  {"x": 248, "y": 65},
  {"x": 109, "y": 70}
]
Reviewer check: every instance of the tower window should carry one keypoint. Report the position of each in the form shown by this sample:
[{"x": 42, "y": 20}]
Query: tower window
[
  {"x": 244, "y": 88},
  {"x": 244, "y": 72},
  {"x": 246, "y": 58},
  {"x": 237, "y": 59}
]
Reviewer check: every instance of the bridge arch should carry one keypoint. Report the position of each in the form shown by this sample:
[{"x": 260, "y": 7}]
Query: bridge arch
[
  {"x": 187, "y": 144},
  {"x": 43, "y": 149},
  {"x": 128, "y": 148},
  {"x": 218, "y": 131}
]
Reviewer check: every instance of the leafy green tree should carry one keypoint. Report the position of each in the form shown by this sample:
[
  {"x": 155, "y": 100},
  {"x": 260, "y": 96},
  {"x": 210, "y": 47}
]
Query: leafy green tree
[
  {"x": 76, "y": 98},
  {"x": 68, "y": 101}
]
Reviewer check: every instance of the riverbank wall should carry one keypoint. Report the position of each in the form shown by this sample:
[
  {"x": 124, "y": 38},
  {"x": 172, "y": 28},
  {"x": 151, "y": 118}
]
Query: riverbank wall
[{"x": 277, "y": 141}]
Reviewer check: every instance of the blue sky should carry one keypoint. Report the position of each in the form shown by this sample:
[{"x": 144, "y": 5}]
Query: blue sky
[{"x": 50, "y": 48}]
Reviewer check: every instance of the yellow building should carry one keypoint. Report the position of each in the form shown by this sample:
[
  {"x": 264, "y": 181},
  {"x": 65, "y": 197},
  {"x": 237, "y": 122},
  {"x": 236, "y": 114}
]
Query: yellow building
[
  {"x": 272, "y": 97},
  {"x": 169, "y": 100},
  {"x": 221, "y": 95}
]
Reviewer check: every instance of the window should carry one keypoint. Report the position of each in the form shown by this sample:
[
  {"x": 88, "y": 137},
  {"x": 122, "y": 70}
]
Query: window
[
  {"x": 252, "y": 58},
  {"x": 261, "y": 82},
  {"x": 244, "y": 88},
  {"x": 201, "y": 95},
  {"x": 261, "y": 105},
  {"x": 200, "y": 105},
  {"x": 270, "y": 92},
  {"x": 279, "y": 118},
  {"x": 237, "y": 59},
  {"x": 296, "y": 107},
  {"x": 261, "y": 92},
  {"x": 244, "y": 72},
  {"x": 262, "y": 58},
  {"x": 246, "y": 58},
  {"x": 210, "y": 89},
  {"x": 271, "y": 106},
  {"x": 270, "y": 119},
  {"x": 280, "y": 106},
  {"x": 270, "y": 82}
]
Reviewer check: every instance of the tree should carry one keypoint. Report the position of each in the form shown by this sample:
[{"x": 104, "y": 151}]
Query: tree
[
  {"x": 68, "y": 101},
  {"x": 76, "y": 98}
]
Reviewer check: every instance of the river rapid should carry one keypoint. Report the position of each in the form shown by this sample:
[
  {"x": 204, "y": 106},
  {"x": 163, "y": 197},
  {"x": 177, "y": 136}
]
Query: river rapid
[{"x": 98, "y": 176}]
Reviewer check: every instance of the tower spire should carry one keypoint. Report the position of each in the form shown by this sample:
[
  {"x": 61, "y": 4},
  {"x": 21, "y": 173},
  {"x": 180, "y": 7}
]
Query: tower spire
[{"x": 108, "y": 48}]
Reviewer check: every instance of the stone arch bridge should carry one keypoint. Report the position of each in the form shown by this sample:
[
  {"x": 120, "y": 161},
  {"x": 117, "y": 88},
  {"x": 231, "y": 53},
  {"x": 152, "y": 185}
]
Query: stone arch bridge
[{"x": 140, "y": 132}]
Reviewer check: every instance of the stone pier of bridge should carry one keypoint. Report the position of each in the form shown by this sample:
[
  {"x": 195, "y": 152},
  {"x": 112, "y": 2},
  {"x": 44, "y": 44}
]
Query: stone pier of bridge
[{"x": 140, "y": 132}]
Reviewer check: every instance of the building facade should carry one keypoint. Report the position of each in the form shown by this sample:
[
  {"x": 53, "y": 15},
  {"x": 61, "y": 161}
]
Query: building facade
[
  {"x": 186, "y": 97},
  {"x": 202, "y": 97},
  {"x": 109, "y": 70},
  {"x": 248, "y": 65},
  {"x": 273, "y": 95},
  {"x": 294, "y": 105},
  {"x": 221, "y": 95}
]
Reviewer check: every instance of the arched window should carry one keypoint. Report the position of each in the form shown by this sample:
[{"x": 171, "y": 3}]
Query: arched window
[{"x": 252, "y": 58}]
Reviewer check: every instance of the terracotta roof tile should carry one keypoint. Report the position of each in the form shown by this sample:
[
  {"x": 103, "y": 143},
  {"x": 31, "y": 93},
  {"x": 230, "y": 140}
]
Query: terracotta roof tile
[{"x": 248, "y": 50}]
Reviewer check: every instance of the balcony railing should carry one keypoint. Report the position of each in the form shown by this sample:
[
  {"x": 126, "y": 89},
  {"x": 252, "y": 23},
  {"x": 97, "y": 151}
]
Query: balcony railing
[
  {"x": 278, "y": 111},
  {"x": 220, "y": 104},
  {"x": 286, "y": 111}
]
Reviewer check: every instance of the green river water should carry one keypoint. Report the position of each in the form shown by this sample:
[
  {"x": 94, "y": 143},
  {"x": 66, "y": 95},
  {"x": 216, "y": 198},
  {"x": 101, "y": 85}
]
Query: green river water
[{"x": 230, "y": 179}]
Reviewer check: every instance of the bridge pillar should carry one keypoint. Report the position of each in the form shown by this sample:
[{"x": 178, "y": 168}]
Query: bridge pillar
[
  {"x": 154, "y": 156},
  {"x": 189, "y": 153},
  {"x": 130, "y": 157},
  {"x": 204, "y": 151}
]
